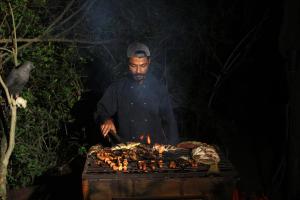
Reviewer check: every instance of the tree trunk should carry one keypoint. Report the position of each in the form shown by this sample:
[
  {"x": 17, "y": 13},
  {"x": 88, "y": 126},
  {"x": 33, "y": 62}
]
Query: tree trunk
[
  {"x": 3, "y": 173},
  {"x": 3, "y": 149},
  {"x": 3, "y": 168},
  {"x": 10, "y": 143}
]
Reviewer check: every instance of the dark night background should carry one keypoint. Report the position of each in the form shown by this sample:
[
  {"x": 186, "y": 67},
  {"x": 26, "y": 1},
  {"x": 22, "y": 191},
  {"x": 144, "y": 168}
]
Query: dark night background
[{"x": 230, "y": 67}]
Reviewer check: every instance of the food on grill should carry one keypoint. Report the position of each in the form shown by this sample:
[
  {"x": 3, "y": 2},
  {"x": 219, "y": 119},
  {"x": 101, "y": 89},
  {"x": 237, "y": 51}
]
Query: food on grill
[
  {"x": 170, "y": 148},
  {"x": 152, "y": 165},
  {"x": 160, "y": 163},
  {"x": 115, "y": 168},
  {"x": 140, "y": 164},
  {"x": 145, "y": 167},
  {"x": 120, "y": 167},
  {"x": 133, "y": 156},
  {"x": 205, "y": 154},
  {"x": 95, "y": 149},
  {"x": 172, "y": 165},
  {"x": 112, "y": 164},
  {"x": 125, "y": 162},
  {"x": 185, "y": 158},
  {"x": 160, "y": 148},
  {"x": 127, "y": 145},
  {"x": 189, "y": 144}
]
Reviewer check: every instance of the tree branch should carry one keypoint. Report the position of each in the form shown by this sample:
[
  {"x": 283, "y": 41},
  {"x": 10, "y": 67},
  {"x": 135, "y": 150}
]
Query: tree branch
[
  {"x": 78, "y": 21},
  {"x": 29, "y": 42},
  {"x": 12, "y": 131},
  {"x": 58, "y": 18},
  {"x": 5, "y": 49},
  {"x": 86, "y": 4},
  {"x": 22, "y": 17},
  {"x": 15, "y": 48},
  {"x": 4, "y": 19},
  {"x": 6, "y": 91},
  {"x": 237, "y": 52},
  {"x": 63, "y": 40},
  {"x": 70, "y": 28}
]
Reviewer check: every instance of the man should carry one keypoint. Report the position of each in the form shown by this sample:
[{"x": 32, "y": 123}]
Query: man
[{"x": 140, "y": 102}]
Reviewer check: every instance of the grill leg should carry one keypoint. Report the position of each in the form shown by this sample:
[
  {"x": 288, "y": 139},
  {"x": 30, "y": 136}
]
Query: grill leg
[{"x": 85, "y": 189}]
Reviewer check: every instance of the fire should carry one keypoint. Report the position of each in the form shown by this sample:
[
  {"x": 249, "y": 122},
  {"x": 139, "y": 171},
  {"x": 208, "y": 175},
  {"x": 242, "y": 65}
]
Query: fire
[
  {"x": 148, "y": 139},
  {"x": 141, "y": 137}
]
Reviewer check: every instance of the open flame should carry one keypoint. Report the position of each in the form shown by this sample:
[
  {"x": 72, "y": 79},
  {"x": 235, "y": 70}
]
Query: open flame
[
  {"x": 141, "y": 137},
  {"x": 145, "y": 139},
  {"x": 148, "y": 139}
]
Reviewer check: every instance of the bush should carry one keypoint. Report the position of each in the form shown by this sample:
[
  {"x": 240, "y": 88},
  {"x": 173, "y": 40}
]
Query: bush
[{"x": 54, "y": 87}]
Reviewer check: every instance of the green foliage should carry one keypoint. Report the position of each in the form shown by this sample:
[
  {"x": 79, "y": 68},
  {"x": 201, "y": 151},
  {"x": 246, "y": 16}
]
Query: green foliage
[
  {"x": 53, "y": 89},
  {"x": 28, "y": 19},
  {"x": 82, "y": 150}
]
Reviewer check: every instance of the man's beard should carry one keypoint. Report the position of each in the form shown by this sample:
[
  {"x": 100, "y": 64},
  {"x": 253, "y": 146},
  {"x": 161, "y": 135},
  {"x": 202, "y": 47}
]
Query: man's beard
[{"x": 138, "y": 77}]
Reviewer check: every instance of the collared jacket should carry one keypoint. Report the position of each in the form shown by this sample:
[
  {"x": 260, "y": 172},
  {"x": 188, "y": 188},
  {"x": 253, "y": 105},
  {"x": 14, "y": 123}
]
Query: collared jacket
[{"x": 140, "y": 109}]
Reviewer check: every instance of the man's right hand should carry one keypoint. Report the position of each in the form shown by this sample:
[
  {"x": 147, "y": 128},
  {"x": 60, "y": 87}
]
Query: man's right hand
[{"x": 108, "y": 126}]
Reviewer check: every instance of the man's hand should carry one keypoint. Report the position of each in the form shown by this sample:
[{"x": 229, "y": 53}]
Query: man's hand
[{"x": 108, "y": 126}]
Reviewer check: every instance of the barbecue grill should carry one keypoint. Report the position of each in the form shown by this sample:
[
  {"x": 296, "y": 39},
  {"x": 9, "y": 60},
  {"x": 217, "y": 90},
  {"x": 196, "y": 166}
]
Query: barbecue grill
[{"x": 100, "y": 182}]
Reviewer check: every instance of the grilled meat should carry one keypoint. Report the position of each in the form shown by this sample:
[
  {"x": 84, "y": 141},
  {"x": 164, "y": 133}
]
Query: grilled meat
[{"x": 132, "y": 155}]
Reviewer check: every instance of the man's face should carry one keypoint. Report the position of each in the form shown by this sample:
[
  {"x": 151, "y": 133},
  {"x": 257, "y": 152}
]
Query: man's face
[{"x": 138, "y": 67}]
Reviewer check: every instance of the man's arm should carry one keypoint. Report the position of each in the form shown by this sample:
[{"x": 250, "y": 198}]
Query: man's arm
[
  {"x": 169, "y": 123},
  {"x": 106, "y": 108}
]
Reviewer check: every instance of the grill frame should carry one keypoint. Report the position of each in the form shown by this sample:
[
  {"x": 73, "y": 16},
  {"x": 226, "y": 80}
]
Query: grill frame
[{"x": 169, "y": 184}]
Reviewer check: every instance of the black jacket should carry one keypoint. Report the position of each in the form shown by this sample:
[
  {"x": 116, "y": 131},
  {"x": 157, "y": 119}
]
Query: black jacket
[{"x": 141, "y": 110}]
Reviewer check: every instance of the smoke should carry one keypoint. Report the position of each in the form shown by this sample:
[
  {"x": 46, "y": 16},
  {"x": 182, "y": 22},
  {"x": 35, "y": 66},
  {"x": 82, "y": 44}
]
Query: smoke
[
  {"x": 177, "y": 34},
  {"x": 162, "y": 25}
]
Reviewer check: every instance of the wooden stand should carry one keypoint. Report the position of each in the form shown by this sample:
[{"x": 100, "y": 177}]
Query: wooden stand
[{"x": 177, "y": 185}]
